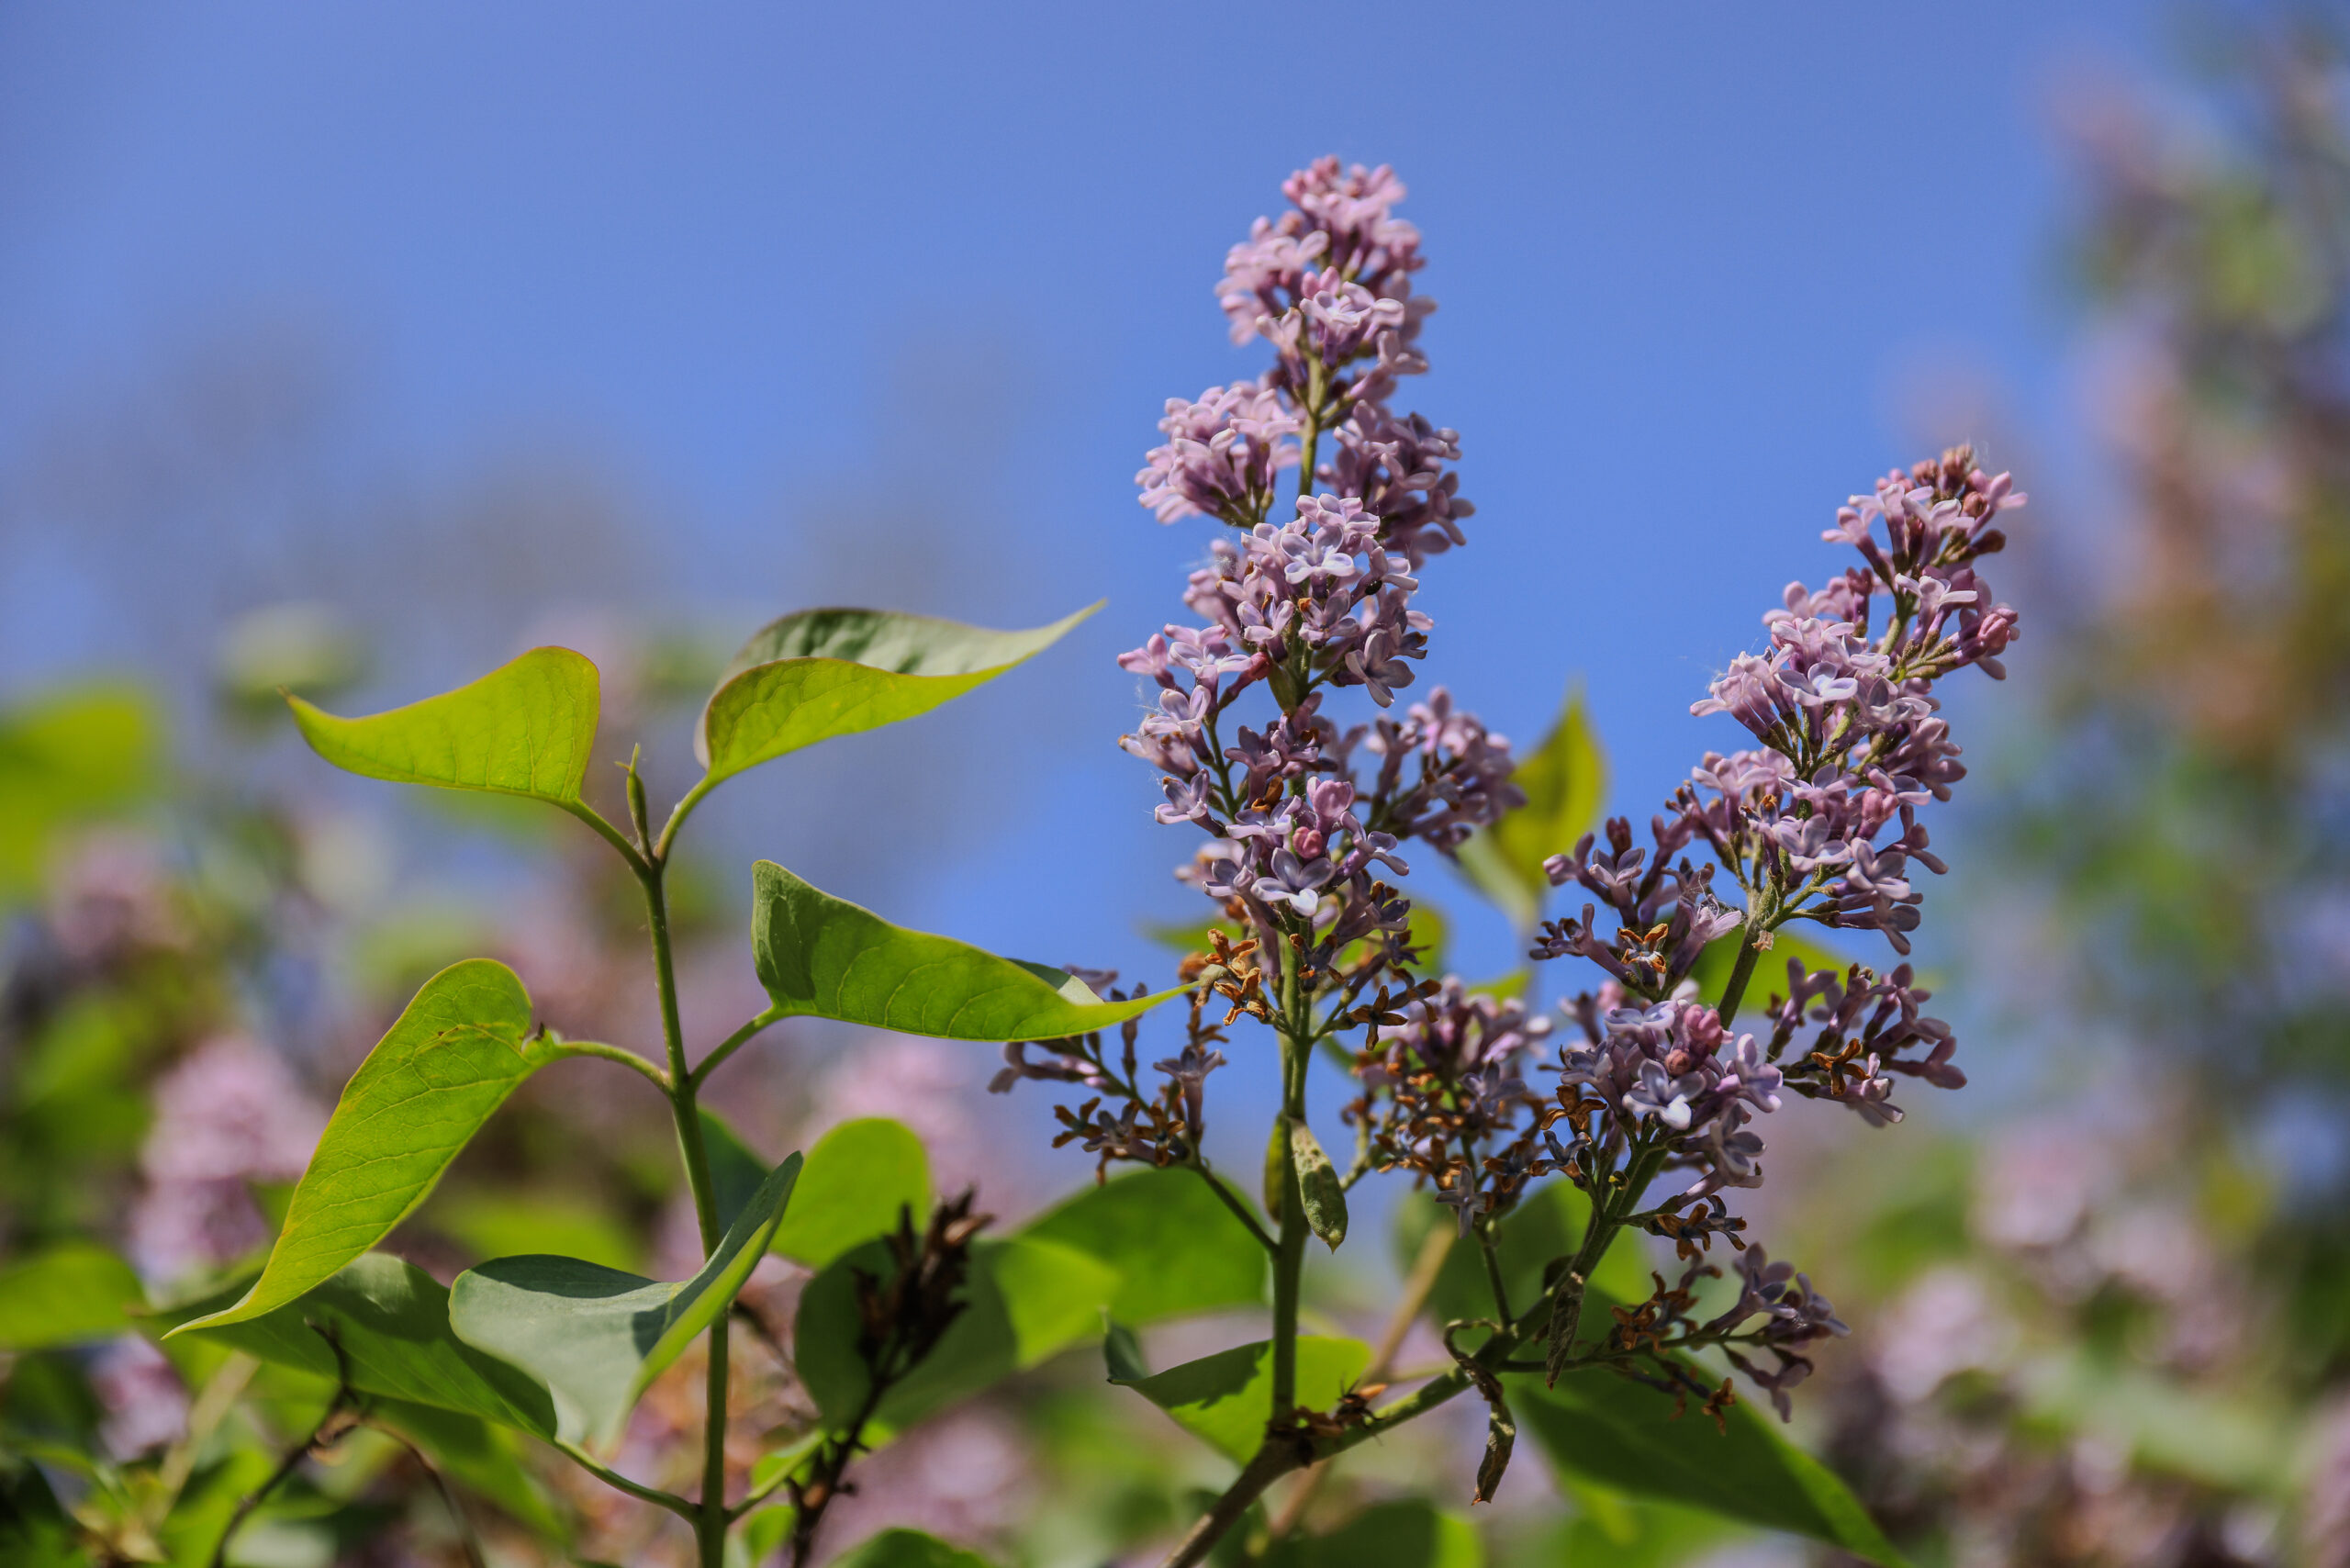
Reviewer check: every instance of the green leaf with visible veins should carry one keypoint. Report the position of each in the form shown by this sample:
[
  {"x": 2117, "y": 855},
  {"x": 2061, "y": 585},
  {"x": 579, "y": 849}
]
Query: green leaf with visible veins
[
  {"x": 525, "y": 728},
  {"x": 447, "y": 1064},
  {"x": 859, "y": 1176},
  {"x": 1225, "y": 1399},
  {"x": 65, "y": 1294},
  {"x": 825, "y": 957},
  {"x": 385, "y": 1324},
  {"x": 1565, "y": 780},
  {"x": 597, "y": 1337},
  {"x": 822, "y": 673}
]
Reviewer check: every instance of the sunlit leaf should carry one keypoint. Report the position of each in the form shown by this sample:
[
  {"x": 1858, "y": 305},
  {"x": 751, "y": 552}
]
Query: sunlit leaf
[
  {"x": 859, "y": 1176},
  {"x": 385, "y": 1323},
  {"x": 1623, "y": 1434},
  {"x": 826, "y": 957},
  {"x": 65, "y": 1294},
  {"x": 597, "y": 1337},
  {"x": 1225, "y": 1399},
  {"x": 1565, "y": 780},
  {"x": 1402, "y": 1533},
  {"x": 908, "y": 1548},
  {"x": 525, "y": 728},
  {"x": 1177, "y": 1249},
  {"x": 447, "y": 1064},
  {"x": 1028, "y": 1300},
  {"x": 822, "y": 673}
]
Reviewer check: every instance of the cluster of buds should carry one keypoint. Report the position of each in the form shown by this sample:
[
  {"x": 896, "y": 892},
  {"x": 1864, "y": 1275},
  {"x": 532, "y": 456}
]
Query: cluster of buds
[
  {"x": 1669, "y": 1076},
  {"x": 1445, "y": 1096}
]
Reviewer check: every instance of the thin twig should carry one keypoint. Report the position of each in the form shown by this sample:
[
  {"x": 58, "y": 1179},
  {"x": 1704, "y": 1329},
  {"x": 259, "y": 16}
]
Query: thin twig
[{"x": 465, "y": 1537}]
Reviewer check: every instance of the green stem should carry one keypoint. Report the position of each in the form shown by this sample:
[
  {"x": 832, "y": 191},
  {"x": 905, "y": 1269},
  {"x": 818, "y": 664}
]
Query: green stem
[
  {"x": 1289, "y": 1252},
  {"x": 710, "y": 1519},
  {"x": 731, "y": 1043},
  {"x": 627, "y": 1059},
  {"x": 608, "y": 833},
  {"x": 1735, "y": 991}
]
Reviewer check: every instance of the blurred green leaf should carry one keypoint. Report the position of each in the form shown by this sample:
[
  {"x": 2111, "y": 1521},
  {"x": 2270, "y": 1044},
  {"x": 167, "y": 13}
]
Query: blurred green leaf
[
  {"x": 1028, "y": 1300},
  {"x": 70, "y": 757},
  {"x": 66, "y": 1295},
  {"x": 34, "y": 1530},
  {"x": 526, "y": 728},
  {"x": 908, "y": 1548},
  {"x": 597, "y": 1337},
  {"x": 1403, "y": 1533},
  {"x": 1177, "y": 1249},
  {"x": 478, "y": 1456},
  {"x": 501, "y": 1222},
  {"x": 1225, "y": 1399},
  {"x": 859, "y": 1176},
  {"x": 304, "y": 647},
  {"x": 390, "y": 1320},
  {"x": 446, "y": 1065},
  {"x": 1610, "y": 1530},
  {"x": 822, "y": 673},
  {"x": 1623, "y": 1435},
  {"x": 1565, "y": 780},
  {"x": 825, "y": 957}
]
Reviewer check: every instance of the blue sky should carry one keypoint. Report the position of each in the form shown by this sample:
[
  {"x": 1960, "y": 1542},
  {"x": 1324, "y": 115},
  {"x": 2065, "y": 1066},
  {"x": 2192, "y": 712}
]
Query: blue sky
[{"x": 882, "y": 302}]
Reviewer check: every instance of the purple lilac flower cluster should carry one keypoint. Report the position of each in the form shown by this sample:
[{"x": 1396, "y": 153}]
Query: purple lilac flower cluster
[
  {"x": 1321, "y": 597},
  {"x": 1820, "y": 822}
]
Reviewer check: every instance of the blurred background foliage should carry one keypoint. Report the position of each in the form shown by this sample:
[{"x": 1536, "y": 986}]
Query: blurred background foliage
[{"x": 2099, "y": 1316}]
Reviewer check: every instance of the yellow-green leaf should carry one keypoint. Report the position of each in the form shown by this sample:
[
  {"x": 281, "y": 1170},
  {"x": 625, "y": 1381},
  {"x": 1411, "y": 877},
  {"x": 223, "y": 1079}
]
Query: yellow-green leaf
[
  {"x": 822, "y": 673},
  {"x": 825, "y": 957},
  {"x": 526, "y": 728},
  {"x": 859, "y": 1176},
  {"x": 444, "y": 1067}
]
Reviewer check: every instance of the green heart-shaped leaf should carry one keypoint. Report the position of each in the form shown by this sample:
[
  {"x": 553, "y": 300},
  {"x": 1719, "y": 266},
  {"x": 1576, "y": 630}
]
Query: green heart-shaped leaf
[
  {"x": 525, "y": 728},
  {"x": 822, "y": 673},
  {"x": 825, "y": 957},
  {"x": 1225, "y": 1399},
  {"x": 446, "y": 1065},
  {"x": 597, "y": 1337}
]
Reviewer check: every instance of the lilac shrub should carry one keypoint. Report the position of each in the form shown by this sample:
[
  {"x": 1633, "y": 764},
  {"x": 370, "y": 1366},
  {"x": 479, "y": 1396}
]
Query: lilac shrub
[{"x": 1309, "y": 804}]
